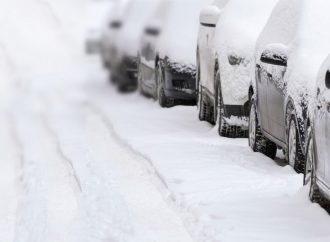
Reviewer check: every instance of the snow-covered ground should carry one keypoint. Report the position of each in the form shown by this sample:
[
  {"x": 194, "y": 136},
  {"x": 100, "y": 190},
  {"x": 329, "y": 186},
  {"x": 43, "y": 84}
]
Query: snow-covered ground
[{"x": 79, "y": 162}]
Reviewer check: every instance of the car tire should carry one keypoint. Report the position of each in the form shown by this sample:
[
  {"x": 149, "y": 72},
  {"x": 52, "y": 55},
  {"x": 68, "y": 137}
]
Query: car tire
[
  {"x": 309, "y": 173},
  {"x": 113, "y": 79},
  {"x": 140, "y": 80},
  {"x": 163, "y": 101},
  {"x": 200, "y": 105},
  {"x": 295, "y": 156},
  {"x": 257, "y": 141}
]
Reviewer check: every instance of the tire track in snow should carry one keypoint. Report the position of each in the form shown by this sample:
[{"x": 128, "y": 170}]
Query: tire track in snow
[
  {"x": 191, "y": 220},
  {"x": 47, "y": 201},
  {"x": 61, "y": 153},
  {"x": 11, "y": 162}
]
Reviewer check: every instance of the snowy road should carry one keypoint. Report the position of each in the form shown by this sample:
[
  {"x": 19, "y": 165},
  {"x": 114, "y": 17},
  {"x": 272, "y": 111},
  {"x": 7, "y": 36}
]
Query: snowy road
[{"x": 81, "y": 163}]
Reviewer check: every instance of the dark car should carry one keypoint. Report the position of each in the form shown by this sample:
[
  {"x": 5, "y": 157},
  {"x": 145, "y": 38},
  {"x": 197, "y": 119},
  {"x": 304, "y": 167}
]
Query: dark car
[
  {"x": 289, "y": 53},
  {"x": 167, "y": 68},
  {"x": 317, "y": 171}
]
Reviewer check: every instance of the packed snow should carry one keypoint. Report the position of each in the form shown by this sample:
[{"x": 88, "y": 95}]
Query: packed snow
[{"x": 79, "y": 162}]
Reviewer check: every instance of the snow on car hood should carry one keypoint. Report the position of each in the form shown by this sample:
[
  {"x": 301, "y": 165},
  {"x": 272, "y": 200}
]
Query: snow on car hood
[{"x": 238, "y": 29}]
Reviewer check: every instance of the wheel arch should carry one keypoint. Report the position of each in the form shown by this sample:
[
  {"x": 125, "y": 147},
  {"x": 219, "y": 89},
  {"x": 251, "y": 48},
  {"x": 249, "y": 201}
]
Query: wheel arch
[{"x": 300, "y": 121}]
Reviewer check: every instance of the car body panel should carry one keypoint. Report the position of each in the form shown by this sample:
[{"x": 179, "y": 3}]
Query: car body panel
[{"x": 172, "y": 46}]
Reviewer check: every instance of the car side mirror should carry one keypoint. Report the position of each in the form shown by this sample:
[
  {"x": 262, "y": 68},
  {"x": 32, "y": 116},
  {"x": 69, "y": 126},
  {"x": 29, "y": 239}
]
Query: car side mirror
[
  {"x": 275, "y": 54},
  {"x": 209, "y": 16},
  {"x": 152, "y": 31},
  {"x": 116, "y": 24},
  {"x": 235, "y": 60}
]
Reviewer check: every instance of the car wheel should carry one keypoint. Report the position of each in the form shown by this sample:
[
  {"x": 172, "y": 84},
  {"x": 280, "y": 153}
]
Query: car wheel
[
  {"x": 295, "y": 155},
  {"x": 200, "y": 105},
  {"x": 257, "y": 141},
  {"x": 113, "y": 79},
  {"x": 164, "y": 101},
  {"x": 140, "y": 80},
  {"x": 309, "y": 174}
]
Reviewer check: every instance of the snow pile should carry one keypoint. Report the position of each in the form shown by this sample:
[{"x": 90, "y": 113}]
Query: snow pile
[
  {"x": 178, "y": 40},
  {"x": 237, "y": 31}
]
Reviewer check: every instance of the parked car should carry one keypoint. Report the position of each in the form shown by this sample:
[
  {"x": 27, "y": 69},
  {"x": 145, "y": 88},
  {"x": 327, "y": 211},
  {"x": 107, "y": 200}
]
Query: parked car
[
  {"x": 289, "y": 53},
  {"x": 225, "y": 55},
  {"x": 167, "y": 65},
  {"x": 111, "y": 29},
  {"x": 125, "y": 66},
  {"x": 317, "y": 168}
]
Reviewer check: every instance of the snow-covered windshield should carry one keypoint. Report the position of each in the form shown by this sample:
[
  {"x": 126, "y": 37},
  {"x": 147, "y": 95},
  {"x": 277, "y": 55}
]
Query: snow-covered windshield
[
  {"x": 179, "y": 35},
  {"x": 137, "y": 14},
  {"x": 315, "y": 24}
]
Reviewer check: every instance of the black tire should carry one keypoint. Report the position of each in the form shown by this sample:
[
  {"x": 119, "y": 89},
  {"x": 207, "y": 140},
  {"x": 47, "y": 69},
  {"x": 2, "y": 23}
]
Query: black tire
[
  {"x": 295, "y": 155},
  {"x": 205, "y": 111},
  {"x": 257, "y": 141},
  {"x": 200, "y": 105},
  {"x": 113, "y": 79},
  {"x": 226, "y": 130},
  {"x": 140, "y": 80},
  {"x": 163, "y": 101},
  {"x": 309, "y": 173}
]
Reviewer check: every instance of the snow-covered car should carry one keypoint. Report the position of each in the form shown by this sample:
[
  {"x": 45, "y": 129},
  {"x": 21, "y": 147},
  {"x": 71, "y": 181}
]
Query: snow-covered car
[
  {"x": 289, "y": 54},
  {"x": 225, "y": 55},
  {"x": 111, "y": 28},
  {"x": 206, "y": 58},
  {"x": 317, "y": 167},
  {"x": 125, "y": 66},
  {"x": 167, "y": 58}
]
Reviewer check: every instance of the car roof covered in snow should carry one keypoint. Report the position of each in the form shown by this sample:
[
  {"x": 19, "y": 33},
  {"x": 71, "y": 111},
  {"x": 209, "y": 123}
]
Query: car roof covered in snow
[
  {"x": 179, "y": 37},
  {"x": 136, "y": 16},
  {"x": 303, "y": 27}
]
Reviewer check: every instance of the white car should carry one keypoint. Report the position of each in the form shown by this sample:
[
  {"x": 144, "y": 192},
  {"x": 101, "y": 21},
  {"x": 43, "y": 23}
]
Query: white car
[
  {"x": 113, "y": 25},
  {"x": 225, "y": 56},
  {"x": 124, "y": 67},
  {"x": 167, "y": 56}
]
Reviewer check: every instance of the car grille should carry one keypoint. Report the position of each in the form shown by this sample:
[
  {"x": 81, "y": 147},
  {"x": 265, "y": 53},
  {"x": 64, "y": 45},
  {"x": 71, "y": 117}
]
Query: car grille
[{"x": 182, "y": 84}]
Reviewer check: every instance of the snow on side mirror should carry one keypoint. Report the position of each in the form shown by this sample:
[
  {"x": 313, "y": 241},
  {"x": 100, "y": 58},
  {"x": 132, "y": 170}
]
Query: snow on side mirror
[
  {"x": 234, "y": 59},
  {"x": 209, "y": 16},
  {"x": 275, "y": 54}
]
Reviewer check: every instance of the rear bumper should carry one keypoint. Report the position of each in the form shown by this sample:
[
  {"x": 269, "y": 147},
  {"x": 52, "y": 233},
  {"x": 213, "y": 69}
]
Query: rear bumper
[
  {"x": 237, "y": 115},
  {"x": 127, "y": 72},
  {"x": 180, "y": 83}
]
